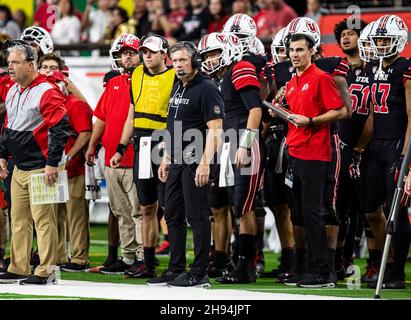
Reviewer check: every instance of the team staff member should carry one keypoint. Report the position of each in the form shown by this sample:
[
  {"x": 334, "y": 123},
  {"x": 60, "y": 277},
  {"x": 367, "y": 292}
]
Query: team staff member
[
  {"x": 308, "y": 140},
  {"x": 75, "y": 211},
  {"x": 196, "y": 103},
  {"x": 36, "y": 133},
  {"x": 111, "y": 113},
  {"x": 151, "y": 85}
]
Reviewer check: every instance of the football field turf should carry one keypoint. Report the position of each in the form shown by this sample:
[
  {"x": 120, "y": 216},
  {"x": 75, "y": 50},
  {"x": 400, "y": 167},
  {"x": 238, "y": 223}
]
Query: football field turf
[{"x": 98, "y": 251}]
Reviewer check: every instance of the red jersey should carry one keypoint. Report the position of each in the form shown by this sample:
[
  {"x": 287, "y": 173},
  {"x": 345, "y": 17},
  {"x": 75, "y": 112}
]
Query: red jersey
[
  {"x": 112, "y": 108},
  {"x": 311, "y": 94},
  {"x": 80, "y": 119}
]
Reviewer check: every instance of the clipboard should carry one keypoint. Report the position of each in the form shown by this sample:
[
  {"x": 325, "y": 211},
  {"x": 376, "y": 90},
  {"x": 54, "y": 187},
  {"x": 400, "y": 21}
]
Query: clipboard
[{"x": 282, "y": 112}]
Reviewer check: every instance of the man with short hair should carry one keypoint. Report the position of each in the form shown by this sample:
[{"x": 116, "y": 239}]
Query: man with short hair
[
  {"x": 196, "y": 104},
  {"x": 36, "y": 133},
  {"x": 74, "y": 213},
  {"x": 151, "y": 85},
  {"x": 111, "y": 113},
  {"x": 309, "y": 146}
]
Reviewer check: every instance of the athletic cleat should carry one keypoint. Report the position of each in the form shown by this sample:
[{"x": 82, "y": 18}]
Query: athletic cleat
[
  {"x": 236, "y": 277},
  {"x": 116, "y": 268},
  {"x": 315, "y": 281},
  {"x": 9, "y": 277},
  {"x": 259, "y": 263},
  {"x": 164, "y": 248},
  {"x": 389, "y": 284},
  {"x": 291, "y": 280},
  {"x": 37, "y": 280},
  {"x": 140, "y": 273},
  {"x": 371, "y": 273},
  {"x": 187, "y": 279},
  {"x": 163, "y": 279},
  {"x": 74, "y": 267}
]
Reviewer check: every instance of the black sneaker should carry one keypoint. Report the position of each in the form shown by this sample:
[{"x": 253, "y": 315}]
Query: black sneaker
[
  {"x": 36, "y": 280},
  {"x": 389, "y": 284},
  {"x": 187, "y": 279},
  {"x": 140, "y": 272},
  {"x": 371, "y": 273},
  {"x": 236, "y": 277},
  {"x": 315, "y": 281},
  {"x": 291, "y": 279},
  {"x": 214, "y": 271},
  {"x": 74, "y": 267},
  {"x": 259, "y": 263},
  {"x": 116, "y": 268},
  {"x": 9, "y": 277},
  {"x": 163, "y": 278},
  {"x": 134, "y": 267}
]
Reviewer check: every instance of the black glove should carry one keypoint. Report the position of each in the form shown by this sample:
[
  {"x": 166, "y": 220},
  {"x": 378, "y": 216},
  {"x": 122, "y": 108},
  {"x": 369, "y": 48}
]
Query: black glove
[
  {"x": 354, "y": 167},
  {"x": 396, "y": 168},
  {"x": 268, "y": 72}
]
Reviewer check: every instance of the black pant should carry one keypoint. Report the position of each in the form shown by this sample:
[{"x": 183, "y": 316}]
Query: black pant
[
  {"x": 308, "y": 190},
  {"x": 184, "y": 200}
]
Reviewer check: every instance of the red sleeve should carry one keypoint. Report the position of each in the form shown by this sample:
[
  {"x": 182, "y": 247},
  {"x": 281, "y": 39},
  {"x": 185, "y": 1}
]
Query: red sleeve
[
  {"x": 341, "y": 69},
  {"x": 53, "y": 106},
  {"x": 244, "y": 75},
  {"x": 82, "y": 117},
  {"x": 5, "y": 85},
  {"x": 100, "y": 110},
  {"x": 407, "y": 74},
  {"x": 328, "y": 92}
]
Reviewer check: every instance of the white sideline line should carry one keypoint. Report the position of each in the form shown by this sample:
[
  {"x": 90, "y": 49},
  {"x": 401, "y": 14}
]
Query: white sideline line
[{"x": 99, "y": 290}]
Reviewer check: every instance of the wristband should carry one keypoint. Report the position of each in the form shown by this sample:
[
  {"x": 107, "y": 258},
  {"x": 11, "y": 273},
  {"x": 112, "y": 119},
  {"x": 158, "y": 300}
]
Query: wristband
[
  {"x": 247, "y": 138},
  {"x": 121, "y": 149},
  {"x": 310, "y": 122}
]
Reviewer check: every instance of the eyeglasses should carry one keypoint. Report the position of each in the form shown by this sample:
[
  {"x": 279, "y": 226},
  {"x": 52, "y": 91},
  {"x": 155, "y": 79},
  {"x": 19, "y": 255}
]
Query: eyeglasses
[{"x": 129, "y": 52}]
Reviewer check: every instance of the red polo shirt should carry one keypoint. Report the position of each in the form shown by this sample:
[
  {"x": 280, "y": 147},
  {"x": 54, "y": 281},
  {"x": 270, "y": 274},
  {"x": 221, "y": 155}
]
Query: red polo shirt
[
  {"x": 80, "y": 119},
  {"x": 112, "y": 108},
  {"x": 311, "y": 94}
]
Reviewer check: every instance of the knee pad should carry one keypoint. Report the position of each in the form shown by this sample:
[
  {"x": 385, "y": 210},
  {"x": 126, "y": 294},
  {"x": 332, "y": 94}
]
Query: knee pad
[{"x": 331, "y": 218}]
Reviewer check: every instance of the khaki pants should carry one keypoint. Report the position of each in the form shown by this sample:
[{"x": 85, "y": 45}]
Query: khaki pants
[
  {"x": 73, "y": 224},
  {"x": 125, "y": 207},
  {"x": 22, "y": 215}
]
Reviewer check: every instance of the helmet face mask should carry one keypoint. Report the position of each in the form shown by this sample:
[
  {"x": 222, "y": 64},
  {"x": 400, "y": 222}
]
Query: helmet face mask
[
  {"x": 229, "y": 46},
  {"x": 388, "y": 36},
  {"x": 367, "y": 53},
  {"x": 278, "y": 44},
  {"x": 244, "y": 27},
  {"x": 40, "y": 37}
]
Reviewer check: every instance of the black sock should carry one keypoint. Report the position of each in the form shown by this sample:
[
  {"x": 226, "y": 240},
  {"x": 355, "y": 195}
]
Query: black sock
[
  {"x": 246, "y": 248},
  {"x": 166, "y": 237},
  {"x": 149, "y": 258},
  {"x": 220, "y": 259},
  {"x": 112, "y": 255},
  {"x": 287, "y": 259},
  {"x": 374, "y": 257}
]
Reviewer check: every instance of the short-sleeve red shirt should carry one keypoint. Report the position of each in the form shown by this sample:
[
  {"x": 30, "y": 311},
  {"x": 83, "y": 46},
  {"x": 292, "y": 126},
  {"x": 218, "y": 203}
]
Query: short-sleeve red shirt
[
  {"x": 311, "y": 94},
  {"x": 113, "y": 108},
  {"x": 80, "y": 119}
]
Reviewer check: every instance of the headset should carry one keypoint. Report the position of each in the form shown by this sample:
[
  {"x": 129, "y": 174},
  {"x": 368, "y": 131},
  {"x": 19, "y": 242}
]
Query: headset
[
  {"x": 30, "y": 53},
  {"x": 195, "y": 55}
]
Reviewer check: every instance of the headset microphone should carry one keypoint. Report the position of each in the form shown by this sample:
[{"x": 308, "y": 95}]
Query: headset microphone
[{"x": 182, "y": 73}]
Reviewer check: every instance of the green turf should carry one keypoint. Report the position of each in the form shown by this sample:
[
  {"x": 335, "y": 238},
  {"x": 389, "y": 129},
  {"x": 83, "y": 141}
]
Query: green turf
[
  {"x": 15, "y": 296},
  {"x": 98, "y": 253}
]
